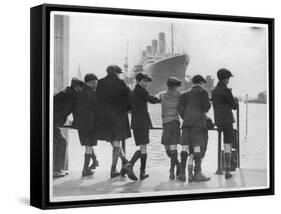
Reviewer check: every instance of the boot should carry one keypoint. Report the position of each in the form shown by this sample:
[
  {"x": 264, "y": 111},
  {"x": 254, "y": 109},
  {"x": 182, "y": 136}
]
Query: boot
[
  {"x": 86, "y": 170},
  {"x": 143, "y": 158},
  {"x": 182, "y": 176},
  {"x": 190, "y": 173},
  {"x": 198, "y": 175},
  {"x": 114, "y": 173},
  {"x": 130, "y": 165},
  {"x": 174, "y": 155},
  {"x": 227, "y": 157},
  {"x": 95, "y": 161}
]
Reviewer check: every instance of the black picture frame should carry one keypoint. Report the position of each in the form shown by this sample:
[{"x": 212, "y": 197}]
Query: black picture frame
[{"x": 40, "y": 79}]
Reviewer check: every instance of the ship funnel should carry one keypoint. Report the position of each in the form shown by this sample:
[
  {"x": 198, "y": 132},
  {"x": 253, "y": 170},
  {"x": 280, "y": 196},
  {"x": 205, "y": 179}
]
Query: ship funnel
[
  {"x": 148, "y": 50},
  {"x": 154, "y": 46},
  {"x": 162, "y": 43}
]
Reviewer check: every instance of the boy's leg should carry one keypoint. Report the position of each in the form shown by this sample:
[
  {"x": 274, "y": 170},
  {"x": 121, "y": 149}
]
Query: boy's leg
[
  {"x": 59, "y": 150},
  {"x": 227, "y": 156},
  {"x": 143, "y": 157},
  {"x": 184, "y": 155},
  {"x": 228, "y": 140},
  {"x": 198, "y": 175},
  {"x": 87, "y": 157},
  {"x": 94, "y": 159},
  {"x": 190, "y": 165},
  {"x": 115, "y": 155},
  {"x": 174, "y": 155}
]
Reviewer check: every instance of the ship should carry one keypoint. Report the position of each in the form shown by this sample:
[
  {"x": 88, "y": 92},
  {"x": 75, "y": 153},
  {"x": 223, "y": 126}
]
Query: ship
[{"x": 160, "y": 64}]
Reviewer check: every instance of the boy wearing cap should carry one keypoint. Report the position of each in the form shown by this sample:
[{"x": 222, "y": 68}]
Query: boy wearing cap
[
  {"x": 193, "y": 106},
  {"x": 63, "y": 106},
  {"x": 113, "y": 99},
  {"x": 141, "y": 122},
  {"x": 85, "y": 120},
  {"x": 224, "y": 103},
  {"x": 171, "y": 123}
]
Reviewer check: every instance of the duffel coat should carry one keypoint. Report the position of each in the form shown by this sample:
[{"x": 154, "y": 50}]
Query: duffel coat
[
  {"x": 193, "y": 106},
  {"x": 223, "y": 102},
  {"x": 138, "y": 101},
  {"x": 85, "y": 113},
  {"x": 113, "y": 121}
]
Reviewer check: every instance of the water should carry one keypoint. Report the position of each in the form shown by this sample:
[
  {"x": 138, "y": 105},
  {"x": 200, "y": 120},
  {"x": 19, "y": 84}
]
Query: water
[{"x": 253, "y": 149}]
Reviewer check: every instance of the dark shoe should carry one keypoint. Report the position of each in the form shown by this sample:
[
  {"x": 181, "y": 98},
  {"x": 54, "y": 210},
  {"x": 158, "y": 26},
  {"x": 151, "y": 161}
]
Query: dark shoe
[
  {"x": 94, "y": 164},
  {"x": 87, "y": 172},
  {"x": 182, "y": 177},
  {"x": 114, "y": 173},
  {"x": 172, "y": 174},
  {"x": 58, "y": 174},
  {"x": 199, "y": 176},
  {"x": 178, "y": 169},
  {"x": 130, "y": 172},
  {"x": 143, "y": 175},
  {"x": 228, "y": 175}
]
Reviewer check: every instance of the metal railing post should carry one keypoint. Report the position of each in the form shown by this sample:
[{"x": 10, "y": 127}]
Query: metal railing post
[
  {"x": 238, "y": 140},
  {"x": 219, "y": 170}
]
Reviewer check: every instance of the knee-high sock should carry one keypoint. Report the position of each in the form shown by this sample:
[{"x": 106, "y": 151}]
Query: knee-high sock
[
  {"x": 115, "y": 155},
  {"x": 123, "y": 157},
  {"x": 184, "y": 155},
  {"x": 174, "y": 154},
  {"x": 227, "y": 157},
  {"x": 197, "y": 160},
  {"x": 87, "y": 158},
  {"x": 143, "y": 158},
  {"x": 135, "y": 157}
]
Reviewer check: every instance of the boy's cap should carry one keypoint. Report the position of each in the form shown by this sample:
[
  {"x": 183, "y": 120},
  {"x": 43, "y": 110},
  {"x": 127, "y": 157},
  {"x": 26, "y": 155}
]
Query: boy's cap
[
  {"x": 140, "y": 76},
  {"x": 197, "y": 79},
  {"x": 114, "y": 69},
  {"x": 173, "y": 81},
  {"x": 223, "y": 74},
  {"x": 89, "y": 77}
]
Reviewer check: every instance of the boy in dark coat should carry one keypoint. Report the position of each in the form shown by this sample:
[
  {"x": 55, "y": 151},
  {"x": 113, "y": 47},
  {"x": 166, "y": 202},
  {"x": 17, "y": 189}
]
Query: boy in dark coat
[
  {"x": 171, "y": 123},
  {"x": 193, "y": 106},
  {"x": 113, "y": 95},
  {"x": 85, "y": 120},
  {"x": 141, "y": 122},
  {"x": 224, "y": 103},
  {"x": 63, "y": 106}
]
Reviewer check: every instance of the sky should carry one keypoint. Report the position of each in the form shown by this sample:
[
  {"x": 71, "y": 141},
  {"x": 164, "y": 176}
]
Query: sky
[{"x": 98, "y": 40}]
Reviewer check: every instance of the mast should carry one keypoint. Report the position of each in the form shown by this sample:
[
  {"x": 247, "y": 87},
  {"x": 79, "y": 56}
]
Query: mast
[
  {"x": 126, "y": 60},
  {"x": 172, "y": 38}
]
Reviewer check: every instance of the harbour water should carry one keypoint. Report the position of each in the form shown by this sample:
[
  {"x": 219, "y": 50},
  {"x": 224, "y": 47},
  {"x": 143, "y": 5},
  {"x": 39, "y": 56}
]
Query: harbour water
[{"x": 254, "y": 148}]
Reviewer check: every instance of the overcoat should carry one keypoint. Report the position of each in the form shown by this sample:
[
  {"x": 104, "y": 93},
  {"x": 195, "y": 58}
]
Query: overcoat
[
  {"x": 193, "y": 106},
  {"x": 113, "y": 106},
  {"x": 85, "y": 110},
  {"x": 63, "y": 105},
  {"x": 138, "y": 102},
  {"x": 223, "y": 102}
]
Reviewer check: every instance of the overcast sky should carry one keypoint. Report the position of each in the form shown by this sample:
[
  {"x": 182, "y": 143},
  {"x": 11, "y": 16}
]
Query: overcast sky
[{"x": 99, "y": 40}]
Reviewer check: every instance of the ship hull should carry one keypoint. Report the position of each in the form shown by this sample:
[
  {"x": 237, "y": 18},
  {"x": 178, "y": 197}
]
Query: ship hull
[{"x": 160, "y": 71}]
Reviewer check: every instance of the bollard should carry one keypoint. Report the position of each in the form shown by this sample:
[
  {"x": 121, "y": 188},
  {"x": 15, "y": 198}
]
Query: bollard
[{"x": 219, "y": 170}]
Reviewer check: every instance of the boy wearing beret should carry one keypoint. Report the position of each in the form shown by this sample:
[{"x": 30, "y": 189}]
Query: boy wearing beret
[{"x": 141, "y": 122}]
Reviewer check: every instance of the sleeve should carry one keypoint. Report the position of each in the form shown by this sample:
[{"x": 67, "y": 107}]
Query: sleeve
[
  {"x": 125, "y": 90},
  {"x": 230, "y": 99},
  {"x": 181, "y": 106},
  {"x": 147, "y": 97},
  {"x": 205, "y": 101}
]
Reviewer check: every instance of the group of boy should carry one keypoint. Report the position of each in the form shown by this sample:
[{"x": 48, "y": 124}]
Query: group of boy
[{"x": 104, "y": 116}]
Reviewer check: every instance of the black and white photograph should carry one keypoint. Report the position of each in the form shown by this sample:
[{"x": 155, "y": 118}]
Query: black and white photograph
[{"x": 151, "y": 106}]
